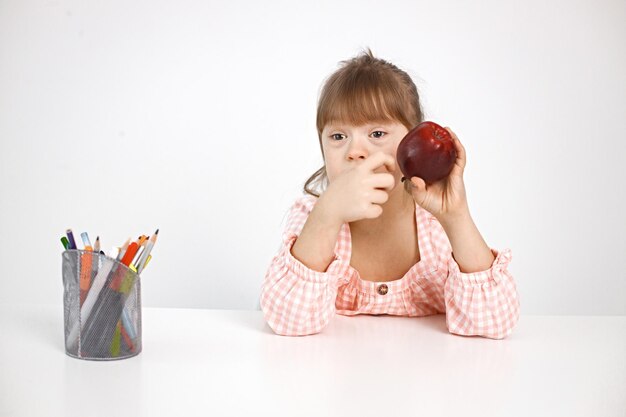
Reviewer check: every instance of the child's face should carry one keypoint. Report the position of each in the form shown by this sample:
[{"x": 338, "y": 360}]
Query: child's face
[{"x": 346, "y": 145}]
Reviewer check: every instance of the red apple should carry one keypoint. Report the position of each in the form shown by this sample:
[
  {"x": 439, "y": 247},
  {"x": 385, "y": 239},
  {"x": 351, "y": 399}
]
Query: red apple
[{"x": 428, "y": 152}]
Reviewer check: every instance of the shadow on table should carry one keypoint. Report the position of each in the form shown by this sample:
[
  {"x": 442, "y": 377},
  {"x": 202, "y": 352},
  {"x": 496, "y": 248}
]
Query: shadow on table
[{"x": 436, "y": 323}]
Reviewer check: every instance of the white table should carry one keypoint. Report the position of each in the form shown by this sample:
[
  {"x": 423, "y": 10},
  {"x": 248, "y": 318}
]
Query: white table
[{"x": 221, "y": 363}]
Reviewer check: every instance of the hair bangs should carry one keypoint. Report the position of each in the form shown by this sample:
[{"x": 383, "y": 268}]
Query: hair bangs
[{"x": 360, "y": 98}]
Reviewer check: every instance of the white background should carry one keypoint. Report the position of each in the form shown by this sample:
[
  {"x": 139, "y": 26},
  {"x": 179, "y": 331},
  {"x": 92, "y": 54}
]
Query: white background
[{"x": 198, "y": 118}]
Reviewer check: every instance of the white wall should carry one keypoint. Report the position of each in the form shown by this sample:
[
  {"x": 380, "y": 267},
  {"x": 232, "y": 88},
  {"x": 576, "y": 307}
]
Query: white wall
[{"x": 198, "y": 118}]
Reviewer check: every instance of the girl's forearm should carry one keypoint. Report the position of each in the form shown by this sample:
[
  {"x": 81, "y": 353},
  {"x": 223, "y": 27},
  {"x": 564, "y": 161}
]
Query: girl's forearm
[
  {"x": 315, "y": 247},
  {"x": 469, "y": 249}
]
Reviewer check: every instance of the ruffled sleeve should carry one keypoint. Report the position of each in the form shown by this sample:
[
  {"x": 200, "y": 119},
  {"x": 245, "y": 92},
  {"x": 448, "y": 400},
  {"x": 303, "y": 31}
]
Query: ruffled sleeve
[{"x": 483, "y": 303}]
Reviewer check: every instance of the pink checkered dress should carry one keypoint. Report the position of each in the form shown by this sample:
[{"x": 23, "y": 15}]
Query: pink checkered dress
[{"x": 297, "y": 300}]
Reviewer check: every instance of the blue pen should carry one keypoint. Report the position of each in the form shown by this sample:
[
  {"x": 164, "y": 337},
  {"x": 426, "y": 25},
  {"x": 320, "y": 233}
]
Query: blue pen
[
  {"x": 70, "y": 237},
  {"x": 86, "y": 241},
  {"x": 128, "y": 325}
]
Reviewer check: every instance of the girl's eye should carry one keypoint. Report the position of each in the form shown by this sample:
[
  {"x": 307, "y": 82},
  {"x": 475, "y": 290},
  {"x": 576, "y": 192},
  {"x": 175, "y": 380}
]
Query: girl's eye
[{"x": 339, "y": 136}]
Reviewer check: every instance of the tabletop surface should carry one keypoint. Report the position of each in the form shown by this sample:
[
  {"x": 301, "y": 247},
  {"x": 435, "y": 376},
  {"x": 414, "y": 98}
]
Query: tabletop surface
[{"x": 227, "y": 362}]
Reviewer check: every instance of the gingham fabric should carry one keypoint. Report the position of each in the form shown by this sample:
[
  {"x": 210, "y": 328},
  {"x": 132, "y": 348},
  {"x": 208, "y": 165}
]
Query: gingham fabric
[{"x": 297, "y": 300}]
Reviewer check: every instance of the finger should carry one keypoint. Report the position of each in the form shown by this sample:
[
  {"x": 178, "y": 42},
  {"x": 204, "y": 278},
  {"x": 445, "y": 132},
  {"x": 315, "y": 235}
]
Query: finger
[
  {"x": 373, "y": 211},
  {"x": 418, "y": 183},
  {"x": 418, "y": 189},
  {"x": 380, "y": 159},
  {"x": 460, "y": 149},
  {"x": 379, "y": 197},
  {"x": 383, "y": 180}
]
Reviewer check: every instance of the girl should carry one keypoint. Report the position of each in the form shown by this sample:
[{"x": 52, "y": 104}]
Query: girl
[{"x": 361, "y": 242}]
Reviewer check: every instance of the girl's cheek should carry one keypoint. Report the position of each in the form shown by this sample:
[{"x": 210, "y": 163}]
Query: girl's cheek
[
  {"x": 331, "y": 173},
  {"x": 333, "y": 162}
]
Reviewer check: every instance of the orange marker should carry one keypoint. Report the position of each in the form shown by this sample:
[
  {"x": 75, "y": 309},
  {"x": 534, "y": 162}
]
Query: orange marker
[
  {"x": 130, "y": 253},
  {"x": 85, "y": 275},
  {"x": 85, "y": 268}
]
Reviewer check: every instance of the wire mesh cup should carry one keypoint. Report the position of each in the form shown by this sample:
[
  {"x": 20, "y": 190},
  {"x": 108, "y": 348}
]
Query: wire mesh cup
[{"x": 102, "y": 307}]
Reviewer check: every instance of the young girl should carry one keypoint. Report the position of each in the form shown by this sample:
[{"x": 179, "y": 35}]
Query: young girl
[{"x": 370, "y": 244}]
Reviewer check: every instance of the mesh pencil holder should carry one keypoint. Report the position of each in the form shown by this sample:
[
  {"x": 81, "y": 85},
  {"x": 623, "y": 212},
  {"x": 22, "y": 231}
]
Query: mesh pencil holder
[{"x": 102, "y": 307}]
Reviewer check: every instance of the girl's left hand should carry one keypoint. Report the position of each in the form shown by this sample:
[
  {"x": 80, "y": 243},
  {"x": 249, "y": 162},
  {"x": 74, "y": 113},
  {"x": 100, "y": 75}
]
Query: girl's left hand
[{"x": 446, "y": 197}]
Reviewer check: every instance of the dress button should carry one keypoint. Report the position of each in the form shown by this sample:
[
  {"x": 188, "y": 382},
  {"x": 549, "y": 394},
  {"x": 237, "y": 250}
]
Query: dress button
[{"x": 382, "y": 289}]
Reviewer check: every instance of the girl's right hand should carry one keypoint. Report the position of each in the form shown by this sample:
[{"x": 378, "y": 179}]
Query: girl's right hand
[{"x": 358, "y": 192}]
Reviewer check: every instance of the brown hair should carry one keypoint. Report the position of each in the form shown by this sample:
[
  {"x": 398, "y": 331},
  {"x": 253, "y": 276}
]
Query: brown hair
[{"x": 364, "y": 89}]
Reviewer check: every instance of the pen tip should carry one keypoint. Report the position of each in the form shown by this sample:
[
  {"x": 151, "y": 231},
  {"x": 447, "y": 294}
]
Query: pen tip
[
  {"x": 157, "y": 232},
  {"x": 97, "y": 237}
]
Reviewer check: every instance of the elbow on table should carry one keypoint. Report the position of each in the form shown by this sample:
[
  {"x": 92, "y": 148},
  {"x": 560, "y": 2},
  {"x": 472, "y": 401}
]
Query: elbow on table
[
  {"x": 282, "y": 331},
  {"x": 294, "y": 329},
  {"x": 497, "y": 335},
  {"x": 498, "y": 328},
  {"x": 282, "y": 325}
]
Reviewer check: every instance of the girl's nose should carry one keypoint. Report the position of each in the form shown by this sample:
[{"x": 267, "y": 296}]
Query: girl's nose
[{"x": 357, "y": 150}]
